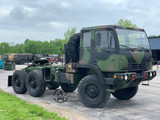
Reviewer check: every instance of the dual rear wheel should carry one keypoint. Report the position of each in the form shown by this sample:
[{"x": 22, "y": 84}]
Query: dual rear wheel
[{"x": 34, "y": 83}]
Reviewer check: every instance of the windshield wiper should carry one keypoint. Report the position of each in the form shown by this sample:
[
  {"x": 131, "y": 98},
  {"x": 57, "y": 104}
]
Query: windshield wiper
[
  {"x": 143, "y": 48},
  {"x": 127, "y": 47}
]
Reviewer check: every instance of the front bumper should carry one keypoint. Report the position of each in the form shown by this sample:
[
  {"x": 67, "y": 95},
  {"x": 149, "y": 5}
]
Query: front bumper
[{"x": 130, "y": 79}]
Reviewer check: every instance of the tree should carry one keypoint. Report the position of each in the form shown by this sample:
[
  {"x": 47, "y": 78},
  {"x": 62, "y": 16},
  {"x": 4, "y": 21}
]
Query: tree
[
  {"x": 69, "y": 33},
  {"x": 126, "y": 23},
  {"x": 31, "y": 46},
  {"x": 4, "y": 48}
]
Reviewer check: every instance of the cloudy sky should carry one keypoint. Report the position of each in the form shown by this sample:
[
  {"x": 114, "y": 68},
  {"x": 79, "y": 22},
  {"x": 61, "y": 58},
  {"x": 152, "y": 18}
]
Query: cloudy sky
[{"x": 49, "y": 19}]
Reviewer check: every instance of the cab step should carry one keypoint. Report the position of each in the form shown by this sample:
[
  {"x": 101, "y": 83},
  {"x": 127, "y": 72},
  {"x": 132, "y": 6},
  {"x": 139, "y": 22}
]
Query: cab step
[{"x": 146, "y": 83}]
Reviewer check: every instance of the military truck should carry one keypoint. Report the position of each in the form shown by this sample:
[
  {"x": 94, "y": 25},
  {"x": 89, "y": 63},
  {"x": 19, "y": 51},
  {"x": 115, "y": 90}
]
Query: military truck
[
  {"x": 20, "y": 58},
  {"x": 99, "y": 61}
]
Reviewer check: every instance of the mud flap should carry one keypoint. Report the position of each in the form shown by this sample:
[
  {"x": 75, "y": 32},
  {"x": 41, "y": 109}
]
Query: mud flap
[{"x": 9, "y": 80}]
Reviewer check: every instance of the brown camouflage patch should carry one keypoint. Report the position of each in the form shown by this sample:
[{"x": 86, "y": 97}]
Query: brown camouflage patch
[
  {"x": 82, "y": 62},
  {"x": 110, "y": 68}
]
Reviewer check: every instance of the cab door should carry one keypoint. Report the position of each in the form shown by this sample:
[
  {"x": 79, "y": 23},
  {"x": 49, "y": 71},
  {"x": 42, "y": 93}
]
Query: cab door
[{"x": 104, "y": 54}]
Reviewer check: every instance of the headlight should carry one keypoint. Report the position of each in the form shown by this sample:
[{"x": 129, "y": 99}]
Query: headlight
[
  {"x": 126, "y": 77},
  {"x": 150, "y": 74}
]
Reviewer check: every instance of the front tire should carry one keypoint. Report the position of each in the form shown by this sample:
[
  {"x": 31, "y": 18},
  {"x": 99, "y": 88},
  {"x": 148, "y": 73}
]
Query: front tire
[
  {"x": 36, "y": 86},
  {"x": 19, "y": 81},
  {"x": 92, "y": 93},
  {"x": 126, "y": 93}
]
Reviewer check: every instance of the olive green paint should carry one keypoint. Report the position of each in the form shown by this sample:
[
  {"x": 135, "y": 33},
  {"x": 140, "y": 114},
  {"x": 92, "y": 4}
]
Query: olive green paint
[
  {"x": 99, "y": 49},
  {"x": 86, "y": 56},
  {"x": 107, "y": 65},
  {"x": 113, "y": 63},
  {"x": 121, "y": 62}
]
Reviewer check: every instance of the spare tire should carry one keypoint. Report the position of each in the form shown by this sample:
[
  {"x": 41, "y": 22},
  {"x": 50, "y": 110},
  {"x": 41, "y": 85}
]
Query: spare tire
[{"x": 72, "y": 48}]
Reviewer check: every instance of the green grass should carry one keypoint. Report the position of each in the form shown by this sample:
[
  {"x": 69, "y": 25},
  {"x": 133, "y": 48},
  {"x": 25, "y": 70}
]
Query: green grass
[{"x": 13, "y": 108}]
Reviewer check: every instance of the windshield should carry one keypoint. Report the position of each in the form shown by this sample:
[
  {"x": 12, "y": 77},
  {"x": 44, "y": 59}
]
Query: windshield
[{"x": 132, "y": 39}]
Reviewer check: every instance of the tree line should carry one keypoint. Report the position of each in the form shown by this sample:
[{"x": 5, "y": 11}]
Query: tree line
[{"x": 38, "y": 47}]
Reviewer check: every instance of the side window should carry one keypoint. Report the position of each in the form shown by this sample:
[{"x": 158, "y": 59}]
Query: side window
[
  {"x": 104, "y": 39},
  {"x": 87, "y": 39}
]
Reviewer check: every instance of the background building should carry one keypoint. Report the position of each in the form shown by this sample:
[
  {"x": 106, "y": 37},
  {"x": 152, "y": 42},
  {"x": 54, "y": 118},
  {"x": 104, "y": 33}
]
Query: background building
[{"x": 155, "y": 47}]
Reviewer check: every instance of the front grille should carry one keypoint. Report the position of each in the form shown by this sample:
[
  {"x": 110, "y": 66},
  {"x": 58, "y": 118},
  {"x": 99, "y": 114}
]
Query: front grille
[{"x": 134, "y": 66}]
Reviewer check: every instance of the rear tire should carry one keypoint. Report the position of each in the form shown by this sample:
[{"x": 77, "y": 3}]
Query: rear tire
[
  {"x": 19, "y": 81},
  {"x": 36, "y": 86},
  {"x": 67, "y": 87},
  {"x": 126, "y": 93},
  {"x": 92, "y": 93}
]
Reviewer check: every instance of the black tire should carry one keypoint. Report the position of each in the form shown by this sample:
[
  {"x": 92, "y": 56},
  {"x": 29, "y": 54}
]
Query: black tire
[
  {"x": 92, "y": 93},
  {"x": 72, "y": 48},
  {"x": 36, "y": 86},
  {"x": 19, "y": 81},
  {"x": 68, "y": 88},
  {"x": 126, "y": 93},
  {"x": 53, "y": 86}
]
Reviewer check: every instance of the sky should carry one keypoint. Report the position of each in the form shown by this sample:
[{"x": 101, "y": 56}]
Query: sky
[{"x": 50, "y": 19}]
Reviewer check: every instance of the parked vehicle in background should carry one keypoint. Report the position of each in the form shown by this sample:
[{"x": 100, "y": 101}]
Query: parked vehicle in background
[
  {"x": 4, "y": 57},
  {"x": 53, "y": 60},
  {"x": 9, "y": 65},
  {"x": 1, "y": 64},
  {"x": 50, "y": 59},
  {"x": 20, "y": 58}
]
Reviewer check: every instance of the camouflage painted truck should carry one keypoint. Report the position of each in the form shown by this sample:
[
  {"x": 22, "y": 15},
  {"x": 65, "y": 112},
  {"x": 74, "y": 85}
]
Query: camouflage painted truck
[{"x": 99, "y": 61}]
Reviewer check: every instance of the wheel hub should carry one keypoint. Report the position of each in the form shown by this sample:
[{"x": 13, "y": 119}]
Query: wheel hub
[
  {"x": 92, "y": 91},
  {"x": 17, "y": 82},
  {"x": 33, "y": 84}
]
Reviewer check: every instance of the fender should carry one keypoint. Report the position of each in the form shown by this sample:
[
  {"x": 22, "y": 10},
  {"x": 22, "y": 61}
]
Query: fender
[{"x": 95, "y": 68}]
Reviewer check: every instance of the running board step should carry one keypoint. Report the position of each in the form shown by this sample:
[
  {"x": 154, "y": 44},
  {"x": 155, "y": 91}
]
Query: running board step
[{"x": 146, "y": 84}]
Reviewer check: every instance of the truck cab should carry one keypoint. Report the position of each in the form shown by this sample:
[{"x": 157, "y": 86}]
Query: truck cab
[{"x": 115, "y": 49}]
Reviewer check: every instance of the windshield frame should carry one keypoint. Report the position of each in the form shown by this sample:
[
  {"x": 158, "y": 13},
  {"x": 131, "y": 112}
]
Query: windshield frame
[{"x": 133, "y": 46}]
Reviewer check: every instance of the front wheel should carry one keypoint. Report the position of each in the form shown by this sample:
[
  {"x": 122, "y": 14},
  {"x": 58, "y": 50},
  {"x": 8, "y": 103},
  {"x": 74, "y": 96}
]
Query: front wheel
[
  {"x": 126, "y": 93},
  {"x": 92, "y": 93},
  {"x": 36, "y": 86}
]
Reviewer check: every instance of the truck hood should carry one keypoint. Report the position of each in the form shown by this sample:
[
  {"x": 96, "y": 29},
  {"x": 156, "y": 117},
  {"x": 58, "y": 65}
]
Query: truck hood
[{"x": 135, "y": 60}]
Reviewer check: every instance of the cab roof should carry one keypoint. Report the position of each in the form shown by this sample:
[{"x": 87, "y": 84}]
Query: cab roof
[{"x": 111, "y": 26}]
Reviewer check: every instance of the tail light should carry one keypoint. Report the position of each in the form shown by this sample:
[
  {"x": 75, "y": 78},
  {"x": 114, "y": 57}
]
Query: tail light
[
  {"x": 146, "y": 76},
  {"x": 132, "y": 77}
]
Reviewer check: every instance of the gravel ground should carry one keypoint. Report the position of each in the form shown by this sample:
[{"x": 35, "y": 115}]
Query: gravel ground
[{"x": 145, "y": 105}]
